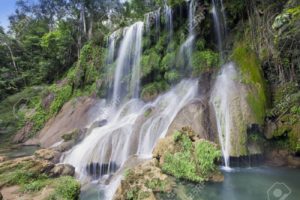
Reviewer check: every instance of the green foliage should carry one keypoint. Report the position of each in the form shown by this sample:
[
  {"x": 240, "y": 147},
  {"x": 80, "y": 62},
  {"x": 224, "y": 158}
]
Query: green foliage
[
  {"x": 66, "y": 188},
  {"x": 155, "y": 184},
  {"x": 206, "y": 154},
  {"x": 36, "y": 185},
  {"x": 286, "y": 110},
  {"x": 203, "y": 61},
  {"x": 14, "y": 110},
  {"x": 168, "y": 61},
  {"x": 172, "y": 76},
  {"x": 149, "y": 63},
  {"x": 136, "y": 194},
  {"x": 191, "y": 161},
  {"x": 153, "y": 89}
]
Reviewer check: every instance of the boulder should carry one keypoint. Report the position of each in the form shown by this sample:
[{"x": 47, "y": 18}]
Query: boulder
[
  {"x": 75, "y": 114},
  {"x": 143, "y": 180},
  {"x": 281, "y": 157},
  {"x": 48, "y": 154},
  {"x": 23, "y": 133},
  {"x": 62, "y": 170},
  {"x": 270, "y": 128},
  {"x": 46, "y": 102},
  {"x": 2, "y": 159},
  {"x": 193, "y": 115},
  {"x": 30, "y": 163}
]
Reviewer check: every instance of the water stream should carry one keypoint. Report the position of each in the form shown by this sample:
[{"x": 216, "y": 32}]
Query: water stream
[
  {"x": 221, "y": 100},
  {"x": 128, "y": 64}
]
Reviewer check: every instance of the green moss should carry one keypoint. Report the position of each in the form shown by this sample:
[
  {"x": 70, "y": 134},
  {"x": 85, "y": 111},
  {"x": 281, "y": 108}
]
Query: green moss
[{"x": 251, "y": 72}]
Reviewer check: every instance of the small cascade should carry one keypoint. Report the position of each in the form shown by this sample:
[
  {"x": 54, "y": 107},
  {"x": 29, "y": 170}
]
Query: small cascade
[
  {"x": 218, "y": 13},
  {"x": 221, "y": 99},
  {"x": 169, "y": 19},
  {"x": 128, "y": 63},
  {"x": 147, "y": 22},
  {"x": 186, "y": 49},
  {"x": 153, "y": 18},
  {"x": 110, "y": 58}
]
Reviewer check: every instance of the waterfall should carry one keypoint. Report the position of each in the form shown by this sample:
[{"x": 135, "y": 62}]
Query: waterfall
[
  {"x": 219, "y": 23},
  {"x": 192, "y": 10},
  {"x": 169, "y": 19},
  {"x": 128, "y": 63},
  {"x": 186, "y": 49},
  {"x": 221, "y": 99},
  {"x": 151, "y": 17},
  {"x": 147, "y": 22},
  {"x": 129, "y": 132}
]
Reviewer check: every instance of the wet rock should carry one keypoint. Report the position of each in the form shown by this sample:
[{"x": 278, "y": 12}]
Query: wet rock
[
  {"x": 75, "y": 114},
  {"x": 99, "y": 124},
  {"x": 293, "y": 161},
  {"x": 23, "y": 133},
  {"x": 281, "y": 157},
  {"x": 29, "y": 163},
  {"x": 65, "y": 146},
  {"x": 164, "y": 145},
  {"x": 62, "y": 170},
  {"x": 72, "y": 135},
  {"x": 48, "y": 154},
  {"x": 46, "y": 102},
  {"x": 193, "y": 115},
  {"x": 270, "y": 128},
  {"x": 217, "y": 177}
]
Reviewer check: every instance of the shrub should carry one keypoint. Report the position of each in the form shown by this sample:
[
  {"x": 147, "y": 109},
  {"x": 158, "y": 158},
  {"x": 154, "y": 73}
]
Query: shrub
[
  {"x": 204, "y": 60},
  {"x": 66, "y": 188},
  {"x": 194, "y": 161}
]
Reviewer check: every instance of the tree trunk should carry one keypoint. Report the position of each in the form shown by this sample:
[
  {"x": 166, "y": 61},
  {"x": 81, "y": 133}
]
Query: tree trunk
[{"x": 12, "y": 58}]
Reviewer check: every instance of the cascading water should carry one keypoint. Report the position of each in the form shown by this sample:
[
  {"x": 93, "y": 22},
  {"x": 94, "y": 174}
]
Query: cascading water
[
  {"x": 221, "y": 99},
  {"x": 169, "y": 19},
  {"x": 128, "y": 63},
  {"x": 129, "y": 133},
  {"x": 218, "y": 13},
  {"x": 186, "y": 49},
  {"x": 110, "y": 59},
  {"x": 149, "y": 18}
]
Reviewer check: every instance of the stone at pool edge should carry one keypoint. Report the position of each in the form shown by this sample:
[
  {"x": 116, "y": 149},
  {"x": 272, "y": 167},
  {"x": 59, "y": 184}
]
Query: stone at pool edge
[
  {"x": 48, "y": 154},
  {"x": 62, "y": 170},
  {"x": 2, "y": 159}
]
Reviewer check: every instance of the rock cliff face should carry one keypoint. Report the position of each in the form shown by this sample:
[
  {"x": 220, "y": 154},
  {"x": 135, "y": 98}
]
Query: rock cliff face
[{"x": 76, "y": 114}]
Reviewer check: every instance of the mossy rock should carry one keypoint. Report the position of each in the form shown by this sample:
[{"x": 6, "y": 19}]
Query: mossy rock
[{"x": 252, "y": 76}]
